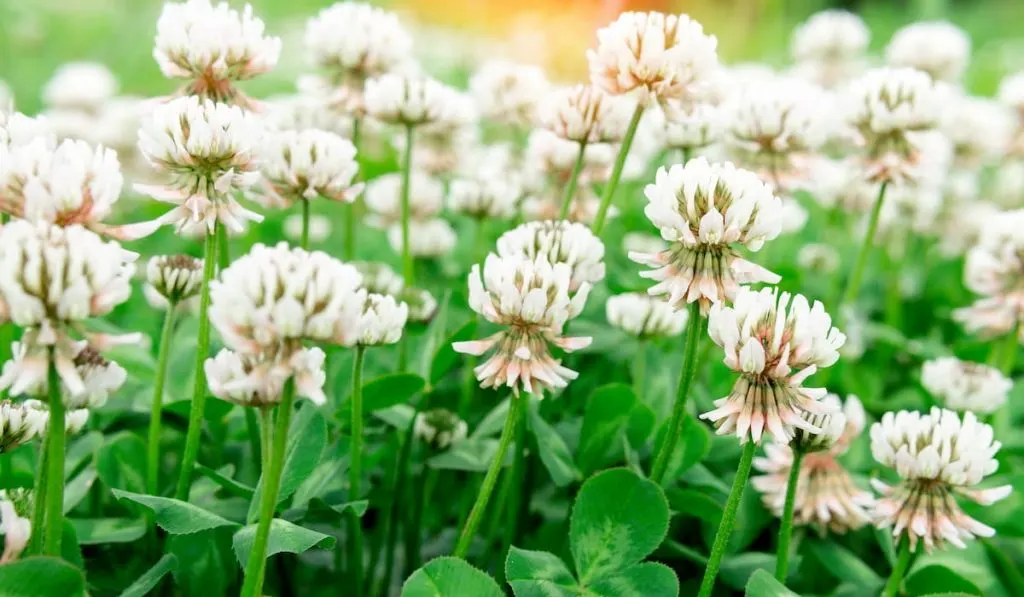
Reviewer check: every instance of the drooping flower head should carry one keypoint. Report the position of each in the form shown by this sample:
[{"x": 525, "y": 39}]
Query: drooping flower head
[
  {"x": 532, "y": 300},
  {"x": 270, "y": 299},
  {"x": 208, "y": 151},
  {"x": 439, "y": 428},
  {"x": 304, "y": 165},
  {"x": 887, "y": 107},
  {"x": 51, "y": 280},
  {"x": 355, "y": 41},
  {"x": 25, "y": 374},
  {"x": 938, "y": 48},
  {"x": 213, "y": 46},
  {"x": 258, "y": 380},
  {"x": 411, "y": 100},
  {"x": 382, "y": 320},
  {"x": 939, "y": 457},
  {"x": 774, "y": 341},
  {"x": 508, "y": 93},
  {"x": 484, "y": 197},
  {"x": 585, "y": 114},
  {"x": 994, "y": 269},
  {"x": 176, "y": 278},
  {"x": 644, "y": 316},
  {"x": 379, "y": 278},
  {"x": 428, "y": 239},
  {"x": 829, "y": 47},
  {"x": 826, "y": 497},
  {"x": 964, "y": 386},
  {"x": 18, "y": 425},
  {"x": 654, "y": 56},
  {"x": 704, "y": 210},
  {"x": 72, "y": 183},
  {"x": 558, "y": 241}
]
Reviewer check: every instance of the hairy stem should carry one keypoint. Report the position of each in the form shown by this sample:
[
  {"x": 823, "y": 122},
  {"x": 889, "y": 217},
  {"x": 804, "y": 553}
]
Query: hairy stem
[
  {"x": 728, "y": 519},
  {"x": 786, "y": 528},
  {"x": 407, "y": 264},
  {"x": 853, "y": 284},
  {"x": 892, "y": 586},
  {"x": 304, "y": 239},
  {"x": 54, "y": 464},
  {"x": 620, "y": 163},
  {"x": 570, "y": 186},
  {"x": 159, "y": 379},
  {"x": 355, "y": 472}
]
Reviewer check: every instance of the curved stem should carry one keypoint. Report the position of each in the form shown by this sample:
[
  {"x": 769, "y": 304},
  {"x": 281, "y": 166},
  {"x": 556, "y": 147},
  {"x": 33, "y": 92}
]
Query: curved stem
[
  {"x": 355, "y": 471},
  {"x": 153, "y": 444},
  {"x": 620, "y": 162},
  {"x": 892, "y": 586},
  {"x": 696, "y": 325},
  {"x": 570, "y": 186},
  {"x": 853, "y": 284},
  {"x": 39, "y": 501},
  {"x": 304, "y": 239},
  {"x": 195, "y": 415},
  {"x": 728, "y": 519},
  {"x": 487, "y": 487},
  {"x": 54, "y": 464},
  {"x": 407, "y": 264},
  {"x": 252, "y": 586},
  {"x": 786, "y": 529}
]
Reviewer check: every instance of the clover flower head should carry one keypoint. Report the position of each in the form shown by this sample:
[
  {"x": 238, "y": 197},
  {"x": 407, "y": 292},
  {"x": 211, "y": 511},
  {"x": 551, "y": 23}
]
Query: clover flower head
[
  {"x": 428, "y": 239},
  {"x": 585, "y": 114},
  {"x": 644, "y": 316},
  {"x": 559, "y": 241},
  {"x": 411, "y": 100},
  {"x": 304, "y": 165},
  {"x": 382, "y": 320},
  {"x": 84, "y": 86},
  {"x": 258, "y": 380},
  {"x": 355, "y": 41},
  {"x": 508, "y": 92},
  {"x": 440, "y": 428},
  {"x": 938, "y": 48},
  {"x": 965, "y": 386}
]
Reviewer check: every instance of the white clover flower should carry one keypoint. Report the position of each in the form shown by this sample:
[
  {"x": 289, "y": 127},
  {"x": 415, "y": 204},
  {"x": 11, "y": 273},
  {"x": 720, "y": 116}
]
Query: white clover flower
[
  {"x": 585, "y": 114},
  {"x": 383, "y": 197},
  {"x": 17, "y": 129},
  {"x": 213, "y": 46},
  {"x": 422, "y": 305},
  {"x": 51, "y": 279},
  {"x": 70, "y": 184},
  {"x": 176, "y": 278},
  {"x": 445, "y": 149},
  {"x": 304, "y": 165},
  {"x": 258, "y": 380},
  {"x": 74, "y": 420},
  {"x": 965, "y": 386},
  {"x": 644, "y": 316},
  {"x": 484, "y": 197},
  {"x": 938, "y": 457},
  {"x": 319, "y": 228},
  {"x": 641, "y": 242},
  {"x": 382, "y": 320},
  {"x": 818, "y": 258},
  {"x": 885, "y": 106},
  {"x": 1011, "y": 91},
  {"x": 938, "y": 48},
  {"x": 910, "y": 207},
  {"x": 411, "y": 100},
  {"x": 961, "y": 228},
  {"x": 271, "y": 298},
  {"x": 794, "y": 216},
  {"x": 655, "y": 56},
  {"x": 532, "y": 300},
  {"x": 310, "y": 108},
  {"x": 767, "y": 126},
  {"x": 440, "y": 428},
  {"x": 80, "y": 86},
  {"x": 704, "y": 209},
  {"x": 830, "y": 36},
  {"x": 691, "y": 126},
  {"x": 980, "y": 130},
  {"x": 550, "y": 156},
  {"x": 558, "y": 241},
  {"x": 26, "y": 374},
  {"x": 356, "y": 41},
  {"x": 583, "y": 207},
  {"x": 830, "y": 425},
  {"x": 428, "y": 239},
  {"x": 379, "y": 278},
  {"x": 207, "y": 150},
  {"x": 15, "y": 522},
  {"x": 507, "y": 92},
  {"x": 774, "y": 341},
  {"x": 18, "y": 424},
  {"x": 826, "y": 496},
  {"x": 994, "y": 269}
]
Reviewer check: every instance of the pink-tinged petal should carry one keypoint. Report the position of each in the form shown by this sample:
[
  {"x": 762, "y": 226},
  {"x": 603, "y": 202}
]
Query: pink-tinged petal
[
  {"x": 473, "y": 347},
  {"x": 160, "y": 192},
  {"x": 573, "y": 344}
]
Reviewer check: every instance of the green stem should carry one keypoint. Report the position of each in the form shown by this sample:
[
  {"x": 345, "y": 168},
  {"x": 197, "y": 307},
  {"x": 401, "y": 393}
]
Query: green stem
[
  {"x": 397, "y": 493},
  {"x": 407, "y": 265},
  {"x": 620, "y": 162},
  {"x": 355, "y": 471},
  {"x": 695, "y": 329},
  {"x": 570, "y": 185},
  {"x": 54, "y": 464},
  {"x": 786, "y": 529},
  {"x": 685, "y": 154},
  {"x": 6, "y": 482},
  {"x": 507, "y": 433},
  {"x": 728, "y": 519},
  {"x": 853, "y": 284},
  {"x": 39, "y": 501},
  {"x": 252, "y": 586},
  {"x": 153, "y": 444},
  {"x": 223, "y": 249},
  {"x": 422, "y": 495},
  {"x": 892, "y": 587},
  {"x": 266, "y": 435},
  {"x": 640, "y": 369},
  {"x": 350, "y": 209},
  {"x": 304, "y": 239},
  {"x": 1009, "y": 353},
  {"x": 252, "y": 429},
  {"x": 195, "y": 415}
]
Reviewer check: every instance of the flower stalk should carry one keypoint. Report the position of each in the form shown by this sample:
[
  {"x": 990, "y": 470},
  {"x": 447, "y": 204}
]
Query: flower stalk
[
  {"x": 54, "y": 464},
  {"x": 620, "y": 162},
  {"x": 728, "y": 520},
  {"x": 786, "y": 528},
  {"x": 696, "y": 329},
  {"x": 355, "y": 472},
  {"x": 856, "y": 276},
  {"x": 892, "y": 586},
  {"x": 487, "y": 487},
  {"x": 408, "y": 272},
  {"x": 570, "y": 185},
  {"x": 304, "y": 239},
  {"x": 252, "y": 586},
  {"x": 195, "y": 419},
  {"x": 159, "y": 380}
]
